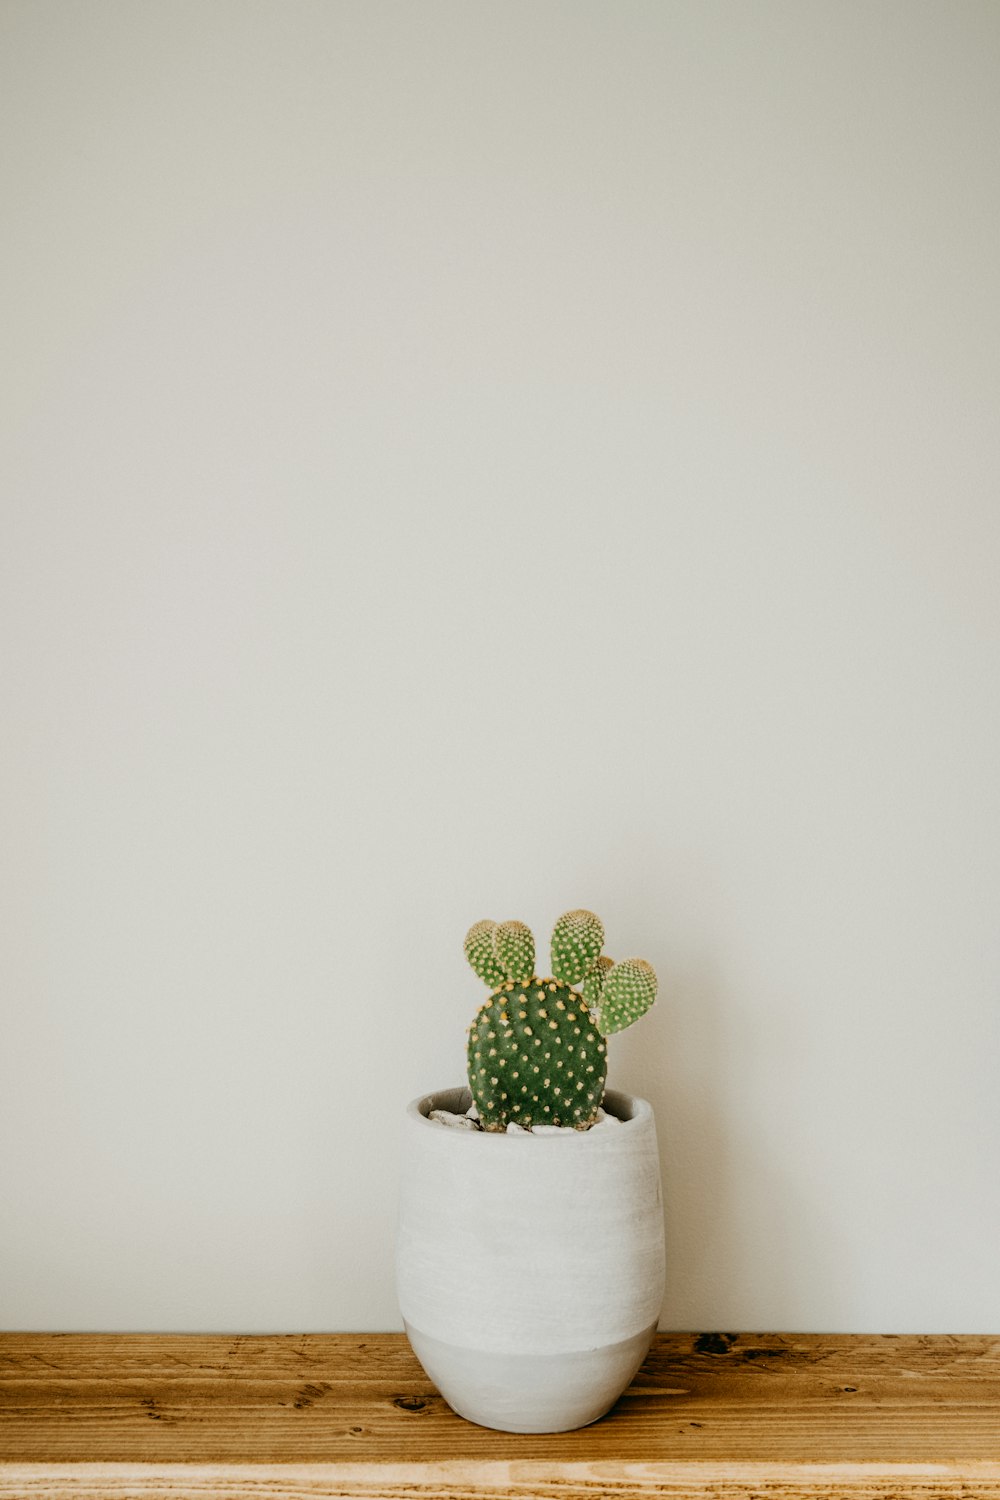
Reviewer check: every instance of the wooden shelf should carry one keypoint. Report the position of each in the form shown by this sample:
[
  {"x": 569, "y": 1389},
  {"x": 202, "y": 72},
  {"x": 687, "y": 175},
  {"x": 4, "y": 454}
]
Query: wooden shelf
[{"x": 296, "y": 1417}]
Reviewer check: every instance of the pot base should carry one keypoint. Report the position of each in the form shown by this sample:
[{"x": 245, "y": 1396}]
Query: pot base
[{"x": 530, "y": 1392}]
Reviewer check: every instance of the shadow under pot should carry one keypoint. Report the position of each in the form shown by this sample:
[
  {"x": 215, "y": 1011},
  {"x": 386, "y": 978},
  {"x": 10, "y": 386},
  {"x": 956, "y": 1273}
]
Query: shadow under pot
[{"x": 530, "y": 1268}]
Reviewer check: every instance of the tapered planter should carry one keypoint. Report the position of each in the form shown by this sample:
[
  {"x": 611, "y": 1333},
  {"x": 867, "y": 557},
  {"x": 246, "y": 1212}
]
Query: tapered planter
[{"x": 530, "y": 1267}]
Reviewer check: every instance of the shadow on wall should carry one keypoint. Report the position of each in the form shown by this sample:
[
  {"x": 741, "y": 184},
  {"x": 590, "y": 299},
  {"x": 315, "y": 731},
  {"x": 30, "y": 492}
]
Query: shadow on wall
[{"x": 747, "y": 1248}]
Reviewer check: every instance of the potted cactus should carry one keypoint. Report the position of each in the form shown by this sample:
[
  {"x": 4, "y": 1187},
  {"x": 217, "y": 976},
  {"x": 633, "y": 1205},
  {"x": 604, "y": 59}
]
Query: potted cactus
[{"x": 530, "y": 1246}]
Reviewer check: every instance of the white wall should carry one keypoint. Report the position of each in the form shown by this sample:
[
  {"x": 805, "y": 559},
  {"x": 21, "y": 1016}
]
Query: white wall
[{"x": 473, "y": 459}]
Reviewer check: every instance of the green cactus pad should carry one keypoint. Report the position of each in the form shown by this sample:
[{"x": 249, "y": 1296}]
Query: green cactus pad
[
  {"x": 577, "y": 939},
  {"x": 536, "y": 1057},
  {"x": 593, "y": 983},
  {"x": 514, "y": 951},
  {"x": 629, "y": 991},
  {"x": 479, "y": 952}
]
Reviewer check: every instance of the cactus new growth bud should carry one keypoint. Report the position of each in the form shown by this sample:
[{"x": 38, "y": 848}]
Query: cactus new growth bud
[
  {"x": 479, "y": 952},
  {"x": 514, "y": 949},
  {"x": 629, "y": 991},
  {"x": 593, "y": 983},
  {"x": 537, "y": 1054},
  {"x": 577, "y": 939}
]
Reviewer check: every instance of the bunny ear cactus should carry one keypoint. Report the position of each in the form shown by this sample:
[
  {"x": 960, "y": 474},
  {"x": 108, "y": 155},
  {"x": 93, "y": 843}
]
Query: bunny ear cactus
[
  {"x": 577, "y": 939},
  {"x": 479, "y": 952},
  {"x": 514, "y": 948},
  {"x": 536, "y": 1051},
  {"x": 629, "y": 990}
]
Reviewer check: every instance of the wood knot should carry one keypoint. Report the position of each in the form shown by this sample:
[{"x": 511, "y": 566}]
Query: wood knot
[
  {"x": 310, "y": 1393},
  {"x": 409, "y": 1403},
  {"x": 714, "y": 1343}
]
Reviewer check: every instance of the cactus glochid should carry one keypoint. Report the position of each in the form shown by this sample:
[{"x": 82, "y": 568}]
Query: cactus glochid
[{"x": 537, "y": 1053}]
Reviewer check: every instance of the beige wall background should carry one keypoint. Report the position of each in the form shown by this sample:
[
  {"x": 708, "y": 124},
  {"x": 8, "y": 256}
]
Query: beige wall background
[{"x": 471, "y": 459}]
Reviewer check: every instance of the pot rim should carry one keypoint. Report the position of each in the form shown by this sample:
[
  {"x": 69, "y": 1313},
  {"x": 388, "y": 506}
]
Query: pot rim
[{"x": 631, "y": 1111}]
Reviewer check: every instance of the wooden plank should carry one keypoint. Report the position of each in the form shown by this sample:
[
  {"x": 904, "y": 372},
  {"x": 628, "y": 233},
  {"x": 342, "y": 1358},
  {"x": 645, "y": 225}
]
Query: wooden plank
[
  {"x": 500, "y": 1481},
  {"x": 294, "y": 1416}
]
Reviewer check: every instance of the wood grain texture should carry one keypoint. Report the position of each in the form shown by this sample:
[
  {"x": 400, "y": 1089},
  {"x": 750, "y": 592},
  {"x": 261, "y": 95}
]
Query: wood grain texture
[{"x": 292, "y": 1417}]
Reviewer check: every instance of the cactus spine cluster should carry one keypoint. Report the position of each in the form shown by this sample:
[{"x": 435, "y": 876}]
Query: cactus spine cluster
[{"x": 537, "y": 1053}]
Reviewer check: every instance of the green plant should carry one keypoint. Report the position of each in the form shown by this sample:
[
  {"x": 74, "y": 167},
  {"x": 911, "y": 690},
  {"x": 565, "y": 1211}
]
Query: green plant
[{"x": 537, "y": 1052}]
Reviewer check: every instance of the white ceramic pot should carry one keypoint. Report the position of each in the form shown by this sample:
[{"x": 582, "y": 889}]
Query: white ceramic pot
[{"x": 530, "y": 1267}]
